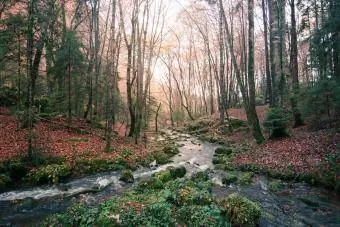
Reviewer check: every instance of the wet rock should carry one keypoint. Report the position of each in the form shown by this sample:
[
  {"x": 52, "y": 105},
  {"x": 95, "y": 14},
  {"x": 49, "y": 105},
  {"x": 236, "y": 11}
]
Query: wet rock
[{"x": 127, "y": 176}]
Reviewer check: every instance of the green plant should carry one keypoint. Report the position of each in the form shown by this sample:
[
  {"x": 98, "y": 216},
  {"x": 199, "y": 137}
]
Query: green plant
[
  {"x": 201, "y": 216},
  {"x": 241, "y": 210},
  {"x": 155, "y": 214},
  {"x": 277, "y": 123},
  {"x": 50, "y": 173}
]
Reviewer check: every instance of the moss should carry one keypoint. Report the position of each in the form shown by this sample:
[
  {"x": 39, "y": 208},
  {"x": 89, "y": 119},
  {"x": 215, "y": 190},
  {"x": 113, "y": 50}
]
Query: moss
[
  {"x": 127, "y": 176},
  {"x": 177, "y": 172},
  {"x": 170, "y": 149},
  {"x": 224, "y": 151},
  {"x": 162, "y": 158},
  {"x": 164, "y": 175},
  {"x": 246, "y": 178},
  {"x": 229, "y": 178},
  {"x": 200, "y": 177},
  {"x": 241, "y": 210}
]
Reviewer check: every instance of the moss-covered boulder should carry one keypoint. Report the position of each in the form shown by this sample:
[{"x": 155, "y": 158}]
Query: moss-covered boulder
[
  {"x": 229, "y": 178},
  {"x": 127, "y": 176},
  {"x": 240, "y": 210},
  {"x": 170, "y": 149},
  {"x": 224, "y": 150},
  {"x": 177, "y": 172},
  {"x": 162, "y": 158},
  {"x": 164, "y": 175}
]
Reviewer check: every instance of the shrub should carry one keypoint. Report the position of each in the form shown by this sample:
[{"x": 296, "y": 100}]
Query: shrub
[
  {"x": 50, "y": 173},
  {"x": 127, "y": 176},
  {"x": 241, "y": 210},
  {"x": 277, "y": 123},
  {"x": 200, "y": 176}
]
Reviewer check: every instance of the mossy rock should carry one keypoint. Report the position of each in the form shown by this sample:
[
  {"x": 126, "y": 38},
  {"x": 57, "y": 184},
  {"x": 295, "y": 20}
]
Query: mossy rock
[
  {"x": 150, "y": 184},
  {"x": 127, "y": 176},
  {"x": 224, "y": 150},
  {"x": 200, "y": 176},
  {"x": 229, "y": 178},
  {"x": 246, "y": 178},
  {"x": 164, "y": 175},
  {"x": 170, "y": 149},
  {"x": 162, "y": 158},
  {"x": 218, "y": 160},
  {"x": 240, "y": 210},
  {"x": 177, "y": 172}
]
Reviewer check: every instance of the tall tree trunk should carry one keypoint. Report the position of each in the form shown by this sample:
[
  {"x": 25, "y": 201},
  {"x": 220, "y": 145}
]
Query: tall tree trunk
[
  {"x": 294, "y": 70},
  {"x": 222, "y": 100},
  {"x": 252, "y": 115},
  {"x": 275, "y": 51},
  {"x": 269, "y": 94}
]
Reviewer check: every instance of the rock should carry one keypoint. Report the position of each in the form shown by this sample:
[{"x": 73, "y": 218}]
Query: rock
[
  {"x": 153, "y": 164},
  {"x": 127, "y": 176}
]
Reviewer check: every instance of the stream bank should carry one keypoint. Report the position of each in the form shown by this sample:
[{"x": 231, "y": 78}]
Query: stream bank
[{"x": 292, "y": 204}]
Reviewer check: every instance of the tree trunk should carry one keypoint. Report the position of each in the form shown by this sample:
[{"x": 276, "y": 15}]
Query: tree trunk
[
  {"x": 269, "y": 94},
  {"x": 294, "y": 70},
  {"x": 252, "y": 115}
]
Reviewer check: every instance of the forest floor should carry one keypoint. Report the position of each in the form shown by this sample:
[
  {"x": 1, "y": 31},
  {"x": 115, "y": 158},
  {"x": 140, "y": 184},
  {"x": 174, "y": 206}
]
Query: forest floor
[
  {"x": 305, "y": 152},
  {"x": 55, "y": 138}
]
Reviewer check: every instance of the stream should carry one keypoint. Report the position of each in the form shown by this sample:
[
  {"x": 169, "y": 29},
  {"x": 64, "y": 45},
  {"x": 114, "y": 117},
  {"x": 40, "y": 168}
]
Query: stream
[{"x": 294, "y": 204}]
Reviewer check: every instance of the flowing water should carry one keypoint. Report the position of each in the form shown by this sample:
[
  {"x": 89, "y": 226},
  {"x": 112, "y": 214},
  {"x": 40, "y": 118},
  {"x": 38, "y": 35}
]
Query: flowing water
[{"x": 295, "y": 204}]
